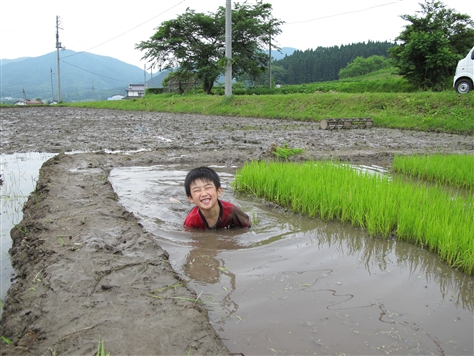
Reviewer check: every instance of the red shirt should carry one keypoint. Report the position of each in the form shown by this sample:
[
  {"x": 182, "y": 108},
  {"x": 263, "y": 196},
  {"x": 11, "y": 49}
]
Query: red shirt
[{"x": 230, "y": 215}]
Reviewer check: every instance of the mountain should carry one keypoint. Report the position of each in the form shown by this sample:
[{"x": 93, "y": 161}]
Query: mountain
[
  {"x": 6, "y": 61},
  {"x": 285, "y": 51},
  {"x": 84, "y": 76}
]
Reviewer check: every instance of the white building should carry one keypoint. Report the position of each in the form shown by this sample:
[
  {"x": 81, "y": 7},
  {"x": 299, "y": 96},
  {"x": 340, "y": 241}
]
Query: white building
[{"x": 135, "y": 91}]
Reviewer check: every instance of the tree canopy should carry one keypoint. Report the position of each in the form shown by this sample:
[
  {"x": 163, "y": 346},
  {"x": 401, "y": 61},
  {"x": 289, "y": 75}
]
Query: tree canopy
[
  {"x": 323, "y": 63},
  {"x": 361, "y": 66},
  {"x": 195, "y": 42},
  {"x": 431, "y": 45}
]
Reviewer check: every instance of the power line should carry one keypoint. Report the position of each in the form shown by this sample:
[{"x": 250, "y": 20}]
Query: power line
[
  {"x": 128, "y": 30},
  {"x": 340, "y": 14},
  {"x": 88, "y": 71}
]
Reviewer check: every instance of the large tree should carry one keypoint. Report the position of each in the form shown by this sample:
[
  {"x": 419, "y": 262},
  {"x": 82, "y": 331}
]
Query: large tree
[
  {"x": 431, "y": 45},
  {"x": 195, "y": 42}
]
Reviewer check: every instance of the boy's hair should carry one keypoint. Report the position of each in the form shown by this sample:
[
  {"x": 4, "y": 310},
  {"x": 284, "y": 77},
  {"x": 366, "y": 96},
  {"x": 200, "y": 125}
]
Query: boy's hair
[{"x": 204, "y": 173}]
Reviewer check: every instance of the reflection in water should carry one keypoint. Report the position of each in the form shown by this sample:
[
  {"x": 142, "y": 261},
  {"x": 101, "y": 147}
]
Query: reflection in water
[
  {"x": 382, "y": 256},
  {"x": 201, "y": 262},
  {"x": 293, "y": 285}
]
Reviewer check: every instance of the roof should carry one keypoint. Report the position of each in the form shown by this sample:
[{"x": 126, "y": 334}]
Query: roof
[{"x": 136, "y": 87}]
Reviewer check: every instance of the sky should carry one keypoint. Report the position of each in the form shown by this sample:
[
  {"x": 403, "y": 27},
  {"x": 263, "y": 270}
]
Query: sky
[{"x": 113, "y": 28}]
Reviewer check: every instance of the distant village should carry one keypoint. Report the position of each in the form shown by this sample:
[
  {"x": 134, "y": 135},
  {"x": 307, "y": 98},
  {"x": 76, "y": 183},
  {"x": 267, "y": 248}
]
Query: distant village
[{"x": 134, "y": 91}]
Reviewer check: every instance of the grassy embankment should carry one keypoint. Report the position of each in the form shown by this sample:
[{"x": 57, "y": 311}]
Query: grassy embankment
[
  {"x": 429, "y": 217},
  {"x": 426, "y": 111}
]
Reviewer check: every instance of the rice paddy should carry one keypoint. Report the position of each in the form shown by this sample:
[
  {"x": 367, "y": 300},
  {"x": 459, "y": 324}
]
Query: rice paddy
[
  {"x": 453, "y": 170},
  {"x": 427, "y": 216}
]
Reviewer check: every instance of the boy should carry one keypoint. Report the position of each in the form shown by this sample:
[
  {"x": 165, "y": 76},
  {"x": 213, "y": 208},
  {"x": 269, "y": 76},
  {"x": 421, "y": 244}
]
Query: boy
[{"x": 203, "y": 188}]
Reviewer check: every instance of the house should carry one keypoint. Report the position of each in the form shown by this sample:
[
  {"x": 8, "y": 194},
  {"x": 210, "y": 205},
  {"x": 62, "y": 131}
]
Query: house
[{"x": 135, "y": 91}]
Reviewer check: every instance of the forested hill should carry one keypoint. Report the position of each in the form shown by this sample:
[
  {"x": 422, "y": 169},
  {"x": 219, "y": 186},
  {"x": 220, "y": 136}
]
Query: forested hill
[{"x": 323, "y": 63}]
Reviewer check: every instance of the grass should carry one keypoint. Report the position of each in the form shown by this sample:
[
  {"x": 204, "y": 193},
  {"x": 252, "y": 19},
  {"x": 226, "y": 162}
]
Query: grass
[
  {"x": 424, "y": 111},
  {"x": 425, "y": 216},
  {"x": 453, "y": 170}
]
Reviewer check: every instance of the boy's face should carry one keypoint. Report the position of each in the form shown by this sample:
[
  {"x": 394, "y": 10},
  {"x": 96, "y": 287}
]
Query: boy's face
[{"x": 204, "y": 194}]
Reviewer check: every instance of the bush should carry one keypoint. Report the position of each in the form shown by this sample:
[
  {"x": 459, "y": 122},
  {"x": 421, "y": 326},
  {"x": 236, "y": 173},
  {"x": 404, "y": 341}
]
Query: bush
[{"x": 154, "y": 91}]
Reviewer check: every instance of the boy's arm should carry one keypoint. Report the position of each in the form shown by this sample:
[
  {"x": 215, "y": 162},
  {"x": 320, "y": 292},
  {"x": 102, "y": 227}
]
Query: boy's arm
[{"x": 237, "y": 218}]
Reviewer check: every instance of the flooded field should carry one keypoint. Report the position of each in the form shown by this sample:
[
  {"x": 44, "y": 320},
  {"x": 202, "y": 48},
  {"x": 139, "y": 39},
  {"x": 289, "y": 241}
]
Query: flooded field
[
  {"x": 293, "y": 285},
  {"x": 84, "y": 267},
  {"x": 19, "y": 173}
]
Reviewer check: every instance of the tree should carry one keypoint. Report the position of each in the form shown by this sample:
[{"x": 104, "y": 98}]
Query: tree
[
  {"x": 361, "y": 66},
  {"x": 195, "y": 42},
  {"x": 432, "y": 44}
]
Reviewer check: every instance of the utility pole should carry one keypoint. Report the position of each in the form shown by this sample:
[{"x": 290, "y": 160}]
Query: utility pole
[
  {"x": 270, "y": 64},
  {"x": 51, "y": 70},
  {"x": 270, "y": 56},
  {"x": 58, "y": 47},
  {"x": 228, "y": 49},
  {"x": 93, "y": 98}
]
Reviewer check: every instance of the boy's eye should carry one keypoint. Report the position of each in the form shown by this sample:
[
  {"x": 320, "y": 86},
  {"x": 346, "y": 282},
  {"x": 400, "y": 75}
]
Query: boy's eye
[{"x": 206, "y": 186}]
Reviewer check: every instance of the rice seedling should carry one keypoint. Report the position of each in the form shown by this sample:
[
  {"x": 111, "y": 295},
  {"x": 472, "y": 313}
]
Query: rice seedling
[
  {"x": 285, "y": 152},
  {"x": 453, "y": 170},
  {"x": 61, "y": 241},
  {"x": 6, "y": 340},
  {"x": 385, "y": 207},
  {"x": 254, "y": 220},
  {"x": 101, "y": 349}
]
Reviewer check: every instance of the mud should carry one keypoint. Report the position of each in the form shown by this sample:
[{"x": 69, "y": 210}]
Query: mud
[{"x": 86, "y": 268}]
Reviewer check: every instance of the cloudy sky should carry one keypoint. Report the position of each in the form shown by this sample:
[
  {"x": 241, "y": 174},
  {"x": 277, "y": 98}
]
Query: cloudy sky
[{"x": 112, "y": 28}]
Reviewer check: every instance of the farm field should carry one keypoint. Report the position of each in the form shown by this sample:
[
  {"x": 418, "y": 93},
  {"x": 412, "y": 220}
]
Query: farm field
[{"x": 74, "y": 200}]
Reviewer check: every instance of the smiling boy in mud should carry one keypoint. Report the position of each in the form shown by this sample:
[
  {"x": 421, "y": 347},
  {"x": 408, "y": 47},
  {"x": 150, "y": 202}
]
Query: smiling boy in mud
[{"x": 203, "y": 188}]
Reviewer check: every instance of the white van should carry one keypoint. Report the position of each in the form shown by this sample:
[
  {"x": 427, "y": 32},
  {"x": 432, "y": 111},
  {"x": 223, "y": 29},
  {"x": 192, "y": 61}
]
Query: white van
[{"x": 464, "y": 77}]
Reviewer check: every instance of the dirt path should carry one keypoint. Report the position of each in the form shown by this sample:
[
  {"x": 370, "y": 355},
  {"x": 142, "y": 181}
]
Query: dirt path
[{"x": 86, "y": 269}]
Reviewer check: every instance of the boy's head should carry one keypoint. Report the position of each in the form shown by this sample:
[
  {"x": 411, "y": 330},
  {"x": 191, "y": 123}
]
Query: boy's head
[{"x": 204, "y": 174}]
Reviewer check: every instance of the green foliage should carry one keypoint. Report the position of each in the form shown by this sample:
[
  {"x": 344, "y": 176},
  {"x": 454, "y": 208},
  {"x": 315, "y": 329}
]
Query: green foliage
[
  {"x": 285, "y": 152},
  {"x": 386, "y": 207},
  {"x": 323, "y": 63},
  {"x": 101, "y": 349},
  {"x": 195, "y": 42},
  {"x": 453, "y": 170},
  {"x": 149, "y": 91},
  {"x": 180, "y": 81},
  {"x": 6, "y": 340},
  {"x": 432, "y": 44},
  {"x": 384, "y": 85},
  {"x": 361, "y": 66}
]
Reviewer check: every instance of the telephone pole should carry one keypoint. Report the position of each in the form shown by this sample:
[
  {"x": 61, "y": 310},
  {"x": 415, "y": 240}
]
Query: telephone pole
[
  {"x": 51, "y": 70},
  {"x": 228, "y": 49},
  {"x": 270, "y": 63},
  {"x": 58, "y": 47}
]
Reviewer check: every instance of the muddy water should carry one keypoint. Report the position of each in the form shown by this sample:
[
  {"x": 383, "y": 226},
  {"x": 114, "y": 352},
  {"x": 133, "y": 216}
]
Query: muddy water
[
  {"x": 292, "y": 285},
  {"x": 19, "y": 173}
]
